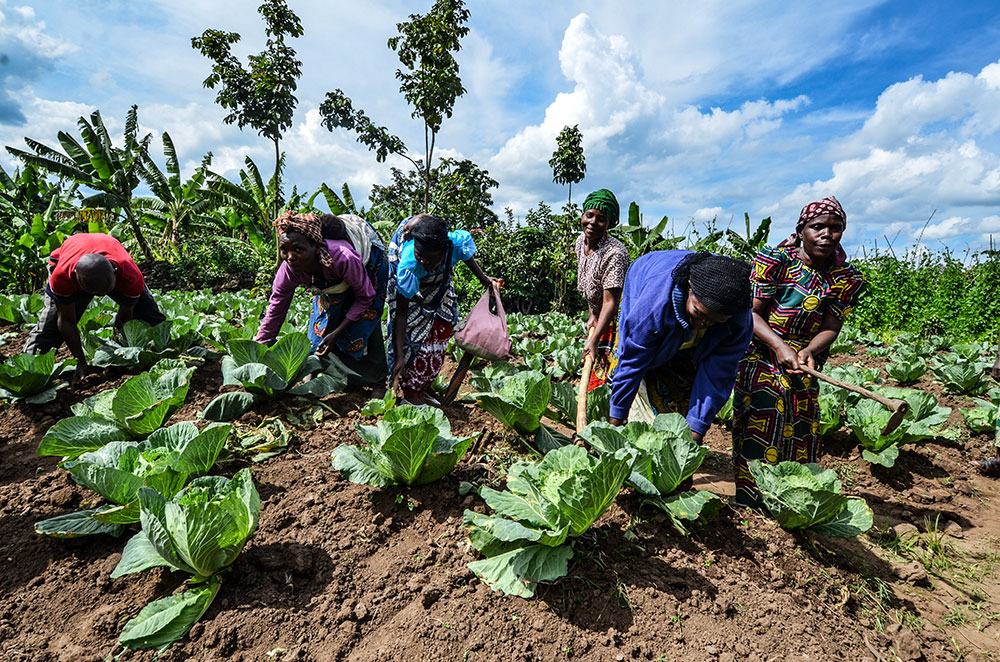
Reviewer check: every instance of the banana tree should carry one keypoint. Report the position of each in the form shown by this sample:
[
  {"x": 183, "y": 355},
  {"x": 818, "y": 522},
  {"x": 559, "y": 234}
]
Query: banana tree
[
  {"x": 246, "y": 208},
  {"x": 113, "y": 172},
  {"x": 641, "y": 240},
  {"x": 177, "y": 205}
]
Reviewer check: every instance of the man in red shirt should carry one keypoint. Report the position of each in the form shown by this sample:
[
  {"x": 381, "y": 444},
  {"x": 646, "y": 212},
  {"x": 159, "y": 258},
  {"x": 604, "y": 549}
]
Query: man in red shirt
[{"x": 85, "y": 266}]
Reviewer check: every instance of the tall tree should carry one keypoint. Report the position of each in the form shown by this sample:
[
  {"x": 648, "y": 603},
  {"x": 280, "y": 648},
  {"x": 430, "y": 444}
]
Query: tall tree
[
  {"x": 113, "y": 172},
  {"x": 261, "y": 96},
  {"x": 429, "y": 81},
  {"x": 567, "y": 162}
]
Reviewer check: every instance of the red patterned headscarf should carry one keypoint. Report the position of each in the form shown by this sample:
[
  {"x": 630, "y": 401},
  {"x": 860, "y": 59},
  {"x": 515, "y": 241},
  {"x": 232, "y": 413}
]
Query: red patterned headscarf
[
  {"x": 308, "y": 225},
  {"x": 829, "y": 205}
]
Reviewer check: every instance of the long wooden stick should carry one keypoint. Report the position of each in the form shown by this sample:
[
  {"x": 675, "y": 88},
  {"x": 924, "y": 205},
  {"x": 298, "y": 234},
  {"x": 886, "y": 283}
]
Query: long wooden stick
[{"x": 581, "y": 397}]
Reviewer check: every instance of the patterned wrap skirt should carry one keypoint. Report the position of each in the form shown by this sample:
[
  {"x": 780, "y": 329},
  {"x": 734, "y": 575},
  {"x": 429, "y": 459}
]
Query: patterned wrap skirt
[
  {"x": 605, "y": 361},
  {"x": 421, "y": 372},
  {"x": 361, "y": 345},
  {"x": 775, "y": 417},
  {"x": 665, "y": 390}
]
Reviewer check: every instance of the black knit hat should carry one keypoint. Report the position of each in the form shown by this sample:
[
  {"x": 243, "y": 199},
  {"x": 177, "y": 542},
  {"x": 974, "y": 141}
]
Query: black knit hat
[{"x": 721, "y": 283}]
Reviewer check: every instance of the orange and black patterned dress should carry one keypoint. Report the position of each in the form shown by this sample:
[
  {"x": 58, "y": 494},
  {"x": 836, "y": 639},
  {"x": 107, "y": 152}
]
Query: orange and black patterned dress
[{"x": 776, "y": 415}]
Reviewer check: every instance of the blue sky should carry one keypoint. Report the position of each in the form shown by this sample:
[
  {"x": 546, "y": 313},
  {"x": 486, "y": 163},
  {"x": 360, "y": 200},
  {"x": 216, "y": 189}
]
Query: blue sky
[{"x": 693, "y": 110}]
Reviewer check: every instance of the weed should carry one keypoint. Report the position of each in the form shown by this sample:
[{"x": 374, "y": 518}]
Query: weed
[
  {"x": 937, "y": 553},
  {"x": 957, "y": 617},
  {"x": 846, "y": 473},
  {"x": 623, "y": 596}
]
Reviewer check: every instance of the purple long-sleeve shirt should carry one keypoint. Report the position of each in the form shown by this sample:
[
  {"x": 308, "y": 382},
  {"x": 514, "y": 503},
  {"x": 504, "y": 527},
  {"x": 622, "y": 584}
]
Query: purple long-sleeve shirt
[{"x": 347, "y": 267}]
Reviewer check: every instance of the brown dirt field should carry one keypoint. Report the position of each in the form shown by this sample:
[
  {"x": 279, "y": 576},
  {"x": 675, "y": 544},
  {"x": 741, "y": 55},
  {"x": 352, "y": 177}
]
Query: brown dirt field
[{"x": 339, "y": 571}]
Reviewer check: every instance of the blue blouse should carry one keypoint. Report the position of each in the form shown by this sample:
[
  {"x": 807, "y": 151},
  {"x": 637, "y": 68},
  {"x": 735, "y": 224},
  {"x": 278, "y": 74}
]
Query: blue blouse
[{"x": 409, "y": 271}]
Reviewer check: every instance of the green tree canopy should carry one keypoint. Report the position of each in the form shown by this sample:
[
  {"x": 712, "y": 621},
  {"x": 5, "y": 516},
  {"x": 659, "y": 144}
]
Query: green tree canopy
[{"x": 567, "y": 162}]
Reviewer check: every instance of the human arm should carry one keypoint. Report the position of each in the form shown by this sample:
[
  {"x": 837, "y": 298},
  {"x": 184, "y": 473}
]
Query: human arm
[
  {"x": 277, "y": 308},
  {"x": 785, "y": 356},
  {"x": 66, "y": 321},
  {"x": 477, "y": 271},
  {"x": 641, "y": 344},
  {"x": 347, "y": 267},
  {"x": 828, "y": 331},
  {"x": 608, "y": 309},
  {"x": 716, "y": 374},
  {"x": 399, "y": 341},
  {"x": 125, "y": 312},
  {"x": 328, "y": 341}
]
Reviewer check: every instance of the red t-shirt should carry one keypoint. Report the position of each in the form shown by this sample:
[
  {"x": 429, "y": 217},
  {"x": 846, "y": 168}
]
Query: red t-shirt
[{"x": 129, "y": 282}]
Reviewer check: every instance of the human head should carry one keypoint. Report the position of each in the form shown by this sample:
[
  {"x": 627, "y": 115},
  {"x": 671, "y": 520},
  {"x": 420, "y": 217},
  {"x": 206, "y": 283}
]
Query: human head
[
  {"x": 95, "y": 274},
  {"x": 292, "y": 229},
  {"x": 430, "y": 241},
  {"x": 717, "y": 287},
  {"x": 332, "y": 227},
  {"x": 819, "y": 230},
  {"x": 605, "y": 201}
]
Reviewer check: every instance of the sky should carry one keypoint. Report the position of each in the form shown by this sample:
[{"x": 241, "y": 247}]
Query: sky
[{"x": 697, "y": 111}]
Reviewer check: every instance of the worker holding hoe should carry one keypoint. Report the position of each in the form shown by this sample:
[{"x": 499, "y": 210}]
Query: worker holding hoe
[
  {"x": 683, "y": 327},
  {"x": 85, "y": 266}
]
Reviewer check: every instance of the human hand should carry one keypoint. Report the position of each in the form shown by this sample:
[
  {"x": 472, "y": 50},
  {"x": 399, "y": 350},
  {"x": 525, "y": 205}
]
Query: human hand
[
  {"x": 396, "y": 378},
  {"x": 590, "y": 347},
  {"x": 787, "y": 359},
  {"x": 806, "y": 358},
  {"x": 81, "y": 372},
  {"x": 327, "y": 343}
]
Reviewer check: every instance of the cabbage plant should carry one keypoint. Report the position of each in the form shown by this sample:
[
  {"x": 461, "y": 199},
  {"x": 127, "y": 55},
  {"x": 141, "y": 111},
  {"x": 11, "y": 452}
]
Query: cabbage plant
[
  {"x": 831, "y": 407},
  {"x": 563, "y": 403},
  {"x": 117, "y": 470},
  {"x": 906, "y": 367},
  {"x": 132, "y": 411},
  {"x": 268, "y": 372},
  {"x": 410, "y": 445},
  {"x": 666, "y": 455},
  {"x": 200, "y": 530},
  {"x": 807, "y": 497},
  {"x": 925, "y": 420},
  {"x": 142, "y": 344},
  {"x": 961, "y": 375},
  {"x": 528, "y": 538},
  {"x": 982, "y": 418},
  {"x": 31, "y": 377},
  {"x": 520, "y": 401}
]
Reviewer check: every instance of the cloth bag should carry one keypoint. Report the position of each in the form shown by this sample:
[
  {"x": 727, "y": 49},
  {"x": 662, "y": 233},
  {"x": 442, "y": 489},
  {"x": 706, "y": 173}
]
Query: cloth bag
[{"x": 483, "y": 333}]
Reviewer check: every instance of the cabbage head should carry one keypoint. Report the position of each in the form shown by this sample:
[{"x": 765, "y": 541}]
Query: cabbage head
[{"x": 807, "y": 496}]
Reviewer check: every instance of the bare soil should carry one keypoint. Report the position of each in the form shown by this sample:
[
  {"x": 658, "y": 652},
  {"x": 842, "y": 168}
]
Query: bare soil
[{"x": 339, "y": 571}]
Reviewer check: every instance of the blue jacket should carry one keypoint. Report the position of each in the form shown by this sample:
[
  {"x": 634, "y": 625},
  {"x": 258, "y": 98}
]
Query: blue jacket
[{"x": 653, "y": 324}]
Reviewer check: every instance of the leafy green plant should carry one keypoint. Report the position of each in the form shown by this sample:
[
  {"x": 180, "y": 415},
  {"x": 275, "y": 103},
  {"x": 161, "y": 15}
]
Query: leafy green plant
[
  {"x": 959, "y": 374},
  {"x": 142, "y": 344},
  {"x": 520, "y": 401},
  {"x": 258, "y": 442},
  {"x": 906, "y": 367},
  {"x": 807, "y": 497},
  {"x": 925, "y": 420},
  {"x": 200, "y": 530},
  {"x": 546, "y": 503},
  {"x": 982, "y": 418},
  {"x": 117, "y": 470},
  {"x": 831, "y": 407},
  {"x": 30, "y": 377},
  {"x": 409, "y": 445},
  {"x": 666, "y": 455},
  {"x": 20, "y": 308},
  {"x": 132, "y": 411},
  {"x": 268, "y": 372},
  {"x": 563, "y": 403}
]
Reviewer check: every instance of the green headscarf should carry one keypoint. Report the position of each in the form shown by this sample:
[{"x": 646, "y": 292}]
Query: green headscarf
[{"x": 605, "y": 201}]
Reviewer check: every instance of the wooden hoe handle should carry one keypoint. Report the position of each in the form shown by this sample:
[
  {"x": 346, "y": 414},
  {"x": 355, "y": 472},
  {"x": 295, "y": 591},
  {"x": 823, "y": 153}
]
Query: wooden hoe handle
[
  {"x": 581, "y": 398},
  {"x": 892, "y": 405}
]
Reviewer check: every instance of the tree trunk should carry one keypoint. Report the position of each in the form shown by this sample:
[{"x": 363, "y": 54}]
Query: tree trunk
[
  {"x": 569, "y": 203},
  {"x": 277, "y": 188},
  {"x": 137, "y": 232},
  {"x": 427, "y": 171}
]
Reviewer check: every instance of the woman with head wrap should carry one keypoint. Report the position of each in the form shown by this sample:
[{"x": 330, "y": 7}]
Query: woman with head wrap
[
  {"x": 683, "y": 327},
  {"x": 423, "y": 307},
  {"x": 802, "y": 291},
  {"x": 602, "y": 262},
  {"x": 341, "y": 261}
]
